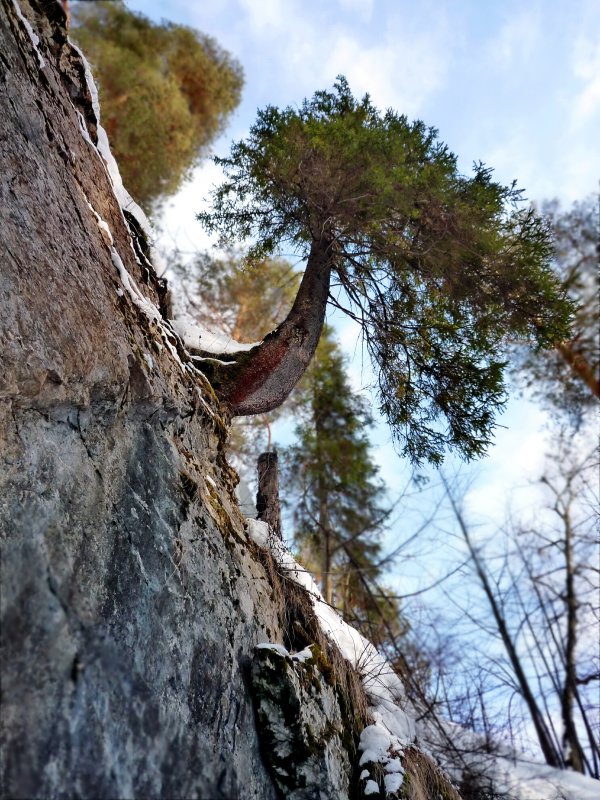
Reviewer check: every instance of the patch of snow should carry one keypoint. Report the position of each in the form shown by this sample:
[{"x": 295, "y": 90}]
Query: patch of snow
[
  {"x": 371, "y": 788},
  {"x": 377, "y": 744},
  {"x": 196, "y": 336},
  {"x": 364, "y": 774},
  {"x": 276, "y": 648},
  {"x": 102, "y": 224},
  {"x": 138, "y": 297},
  {"x": 529, "y": 781},
  {"x": 512, "y": 775},
  {"x": 374, "y": 743},
  {"x": 208, "y": 358},
  {"x": 380, "y": 746},
  {"x": 35, "y": 39},
  {"x": 89, "y": 79},
  {"x": 258, "y": 531},
  {"x": 83, "y": 129},
  {"x": 394, "y": 765},
  {"x": 303, "y": 655},
  {"x": 201, "y": 400},
  {"x": 392, "y": 782},
  {"x": 149, "y": 361}
]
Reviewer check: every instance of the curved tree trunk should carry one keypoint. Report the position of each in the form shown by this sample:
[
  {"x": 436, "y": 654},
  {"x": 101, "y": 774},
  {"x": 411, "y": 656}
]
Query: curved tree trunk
[{"x": 261, "y": 379}]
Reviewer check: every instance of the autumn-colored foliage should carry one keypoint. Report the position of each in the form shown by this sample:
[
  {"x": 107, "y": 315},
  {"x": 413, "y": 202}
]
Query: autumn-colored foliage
[{"x": 165, "y": 93}]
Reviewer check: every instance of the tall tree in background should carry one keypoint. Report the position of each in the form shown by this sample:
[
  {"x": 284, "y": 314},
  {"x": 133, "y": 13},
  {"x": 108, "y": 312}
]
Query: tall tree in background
[
  {"x": 568, "y": 376},
  {"x": 525, "y": 620},
  {"x": 338, "y": 495},
  {"x": 543, "y": 609},
  {"x": 437, "y": 267},
  {"x": 166, "y": 92}
]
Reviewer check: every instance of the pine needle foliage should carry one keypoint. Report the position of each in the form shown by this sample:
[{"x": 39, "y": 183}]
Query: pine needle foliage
[{"x": 438, "y": 267}]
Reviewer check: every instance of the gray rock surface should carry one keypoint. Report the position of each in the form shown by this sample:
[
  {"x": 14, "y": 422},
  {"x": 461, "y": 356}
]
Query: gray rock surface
[
  {"x": 301, "y": 727},
  {"x": 130, "y": 602},
  {"x": 128, "y": 620}
]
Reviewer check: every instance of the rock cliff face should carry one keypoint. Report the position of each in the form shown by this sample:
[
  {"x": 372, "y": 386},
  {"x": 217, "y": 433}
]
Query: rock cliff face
[{"x": 131, "y": 601}]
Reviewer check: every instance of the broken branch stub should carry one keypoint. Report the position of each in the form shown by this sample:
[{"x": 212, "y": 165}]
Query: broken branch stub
[{"x": 267, "y": 498}]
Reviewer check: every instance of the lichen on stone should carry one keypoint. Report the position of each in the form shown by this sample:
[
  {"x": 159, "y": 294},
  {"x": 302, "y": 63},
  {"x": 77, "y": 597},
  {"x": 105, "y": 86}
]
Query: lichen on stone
[{"x": 300, "y": 725}]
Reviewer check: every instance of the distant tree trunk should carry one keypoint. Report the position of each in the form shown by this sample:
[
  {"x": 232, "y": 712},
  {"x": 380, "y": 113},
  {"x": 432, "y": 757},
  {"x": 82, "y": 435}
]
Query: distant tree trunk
[
  {"x": 552, "y": 757},
  {"x": 261, "y": 379},
  {"x": 267, "y": 499},
  {"x": 325, "y": 534},
  {"x": 571, "y": 744},
  {"x": 580, "y": 366}
]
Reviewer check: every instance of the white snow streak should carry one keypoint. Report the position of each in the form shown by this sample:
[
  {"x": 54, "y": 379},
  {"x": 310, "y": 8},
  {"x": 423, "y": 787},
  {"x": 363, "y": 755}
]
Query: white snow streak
[
  {"x": 35, "y": 39},
  {"x": 196, "y": 336}
]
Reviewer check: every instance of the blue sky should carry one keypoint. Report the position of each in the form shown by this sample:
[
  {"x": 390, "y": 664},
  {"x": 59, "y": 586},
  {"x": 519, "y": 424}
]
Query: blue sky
[{"x": 514, "y": 84}]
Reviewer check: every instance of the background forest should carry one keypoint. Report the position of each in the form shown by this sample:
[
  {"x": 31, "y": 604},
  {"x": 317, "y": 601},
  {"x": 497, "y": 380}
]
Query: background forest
[{"x": 491, "y": 619}]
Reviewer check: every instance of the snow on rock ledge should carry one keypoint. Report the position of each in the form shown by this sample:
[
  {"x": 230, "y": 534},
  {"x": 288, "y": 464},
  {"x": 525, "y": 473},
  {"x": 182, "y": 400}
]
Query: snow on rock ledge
[
  {"x": 393, "y": 728},
  {"x": 196, "y": 337}
]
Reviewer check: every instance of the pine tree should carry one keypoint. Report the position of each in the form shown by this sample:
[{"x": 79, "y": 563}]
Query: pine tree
[
  {"x": 339, "y": 497},
  {"x": 438, "y": 268}
]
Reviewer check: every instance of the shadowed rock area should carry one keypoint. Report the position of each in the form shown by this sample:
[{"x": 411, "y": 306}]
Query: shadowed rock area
[{"x": 301, "y": 726}]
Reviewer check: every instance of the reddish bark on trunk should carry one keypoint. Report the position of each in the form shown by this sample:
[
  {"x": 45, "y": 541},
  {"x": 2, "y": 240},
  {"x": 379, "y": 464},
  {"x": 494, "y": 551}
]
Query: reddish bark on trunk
[{"x": 263, "y": 378}]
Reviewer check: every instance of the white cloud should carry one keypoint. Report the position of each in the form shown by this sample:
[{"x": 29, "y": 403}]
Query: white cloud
[
  {"x": 363, "y": 9},
  {"x": 517, "y": 39},
  {"x": 179, "y": 226},
  {"x": 397, "y": 72},
  {"x": 300, "y": 47},
  {"x": 267, "y": 16},
  {"x": 506, "y": 475},
  {"x": 586, "y": 67}
]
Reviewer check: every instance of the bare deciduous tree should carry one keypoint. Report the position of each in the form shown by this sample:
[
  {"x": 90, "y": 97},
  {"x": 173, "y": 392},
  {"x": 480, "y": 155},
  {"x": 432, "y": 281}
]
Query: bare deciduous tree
[{"x": 541, "y": 593}]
